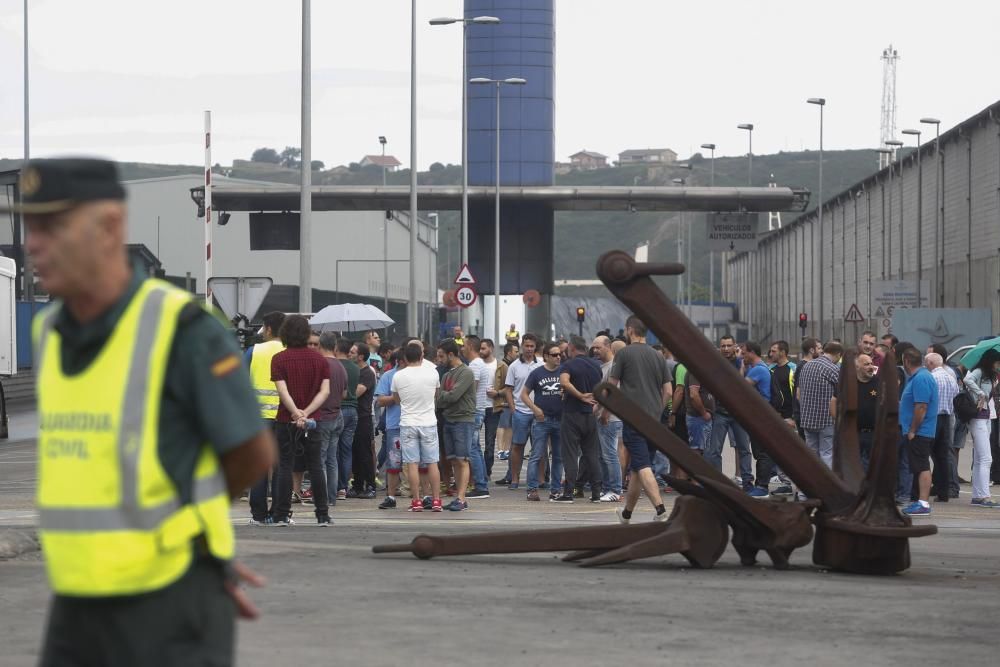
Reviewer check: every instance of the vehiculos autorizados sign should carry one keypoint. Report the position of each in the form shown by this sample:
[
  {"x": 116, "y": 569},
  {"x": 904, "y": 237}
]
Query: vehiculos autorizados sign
[{"x": 732, "y": 232}]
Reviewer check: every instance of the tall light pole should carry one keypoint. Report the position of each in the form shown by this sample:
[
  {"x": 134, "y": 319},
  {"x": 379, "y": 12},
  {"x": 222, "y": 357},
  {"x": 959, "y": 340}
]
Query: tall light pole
[
  {"x": 305, "y": 194},
  {"x": 749, "y": 128},
  {"x": 711, "y": 253},
  {"x": 887, "y": 154},
  {"x": 896, "y": 144},
  {"x": 511, "y": 81},
  {"x": 478, "y": 20},
  {"x": 680, "y": 254},
  {"x": 432, "y": 253},
  {"x": 28, "y": 272},
  {"x": 938, "y": 235},
  {"x": 920, "y": 214},
  {"x": 411, "y": 310},
  {"x": 385, "y": 239},
  {"x": 821, "y": 102}
]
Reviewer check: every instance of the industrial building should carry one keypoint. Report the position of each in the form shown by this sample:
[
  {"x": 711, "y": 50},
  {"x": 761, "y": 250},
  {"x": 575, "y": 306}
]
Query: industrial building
[{"x": 932, "y": 216}]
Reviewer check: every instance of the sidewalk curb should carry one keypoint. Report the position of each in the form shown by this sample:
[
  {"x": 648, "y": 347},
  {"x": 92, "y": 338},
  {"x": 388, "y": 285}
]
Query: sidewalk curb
[{"x": 14, "y": 543}]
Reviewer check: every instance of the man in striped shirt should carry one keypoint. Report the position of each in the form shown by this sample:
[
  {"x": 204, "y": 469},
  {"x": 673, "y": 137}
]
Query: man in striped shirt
[{"x": 941, "y": 451}]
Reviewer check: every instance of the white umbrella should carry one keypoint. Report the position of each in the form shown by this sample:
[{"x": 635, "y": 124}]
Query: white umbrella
[{"x": 350, "y": 317}]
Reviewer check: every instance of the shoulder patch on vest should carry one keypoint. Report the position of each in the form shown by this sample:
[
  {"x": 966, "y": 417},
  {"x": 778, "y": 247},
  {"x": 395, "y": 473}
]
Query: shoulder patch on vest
[{"x": 226, "y": 365}]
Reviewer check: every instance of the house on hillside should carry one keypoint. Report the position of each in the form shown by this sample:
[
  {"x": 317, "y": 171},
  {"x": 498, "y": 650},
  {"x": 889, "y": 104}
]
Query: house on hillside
[
  {"x": 585, "y": 160},
  {"x": 647, "y": 156},
  {"x": 389, "y": 162}
]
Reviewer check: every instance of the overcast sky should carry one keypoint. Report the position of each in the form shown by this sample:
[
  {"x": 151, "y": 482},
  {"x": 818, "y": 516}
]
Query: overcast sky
[{"x": 129, "y": 80}]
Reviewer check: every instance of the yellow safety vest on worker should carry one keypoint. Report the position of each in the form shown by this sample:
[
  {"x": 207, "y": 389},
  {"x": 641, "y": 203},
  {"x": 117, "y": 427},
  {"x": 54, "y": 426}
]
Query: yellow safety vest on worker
[
  {"x": 111, "y": 520},
  {"x": 260, "y": 376}
]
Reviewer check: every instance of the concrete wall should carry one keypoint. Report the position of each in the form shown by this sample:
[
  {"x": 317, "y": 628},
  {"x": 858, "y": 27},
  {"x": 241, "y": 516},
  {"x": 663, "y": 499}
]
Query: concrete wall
[{"x": 871, "y": 232}]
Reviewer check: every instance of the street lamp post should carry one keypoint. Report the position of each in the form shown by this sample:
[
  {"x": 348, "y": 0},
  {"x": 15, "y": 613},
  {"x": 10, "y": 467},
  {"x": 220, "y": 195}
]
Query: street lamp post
[
  {"x": 887, "y": 152},
  {"x": 821, "y": 102},
  {"x": 920, "y": 214},
  {"x": 711, "y": 253},
  {"x": 411, "y": 309},
  {"x": 512, "y": 81},
  {"x": 432, "y": 254},
  {"x": 680, "y": 254},
  {"x": 938, "y": 235},
  {"x": 749, "y": 128},
  {"x": 305, "y": 195},
  {"x": 896, "y": 144},
  {"x": 478, "y": 20},
  {"x": 385, "y": 240}
]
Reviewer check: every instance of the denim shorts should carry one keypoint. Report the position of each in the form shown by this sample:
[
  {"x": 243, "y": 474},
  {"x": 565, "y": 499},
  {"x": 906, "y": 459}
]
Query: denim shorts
[
  {"x": 393, "y": 451},
  {"x": 522, "y": 428},
  {"x": 640, "y": 452},
  {"x": 419, "y": 444},
  {"x": 457, "y": 438},
  {"x": 506, "y": 418}
]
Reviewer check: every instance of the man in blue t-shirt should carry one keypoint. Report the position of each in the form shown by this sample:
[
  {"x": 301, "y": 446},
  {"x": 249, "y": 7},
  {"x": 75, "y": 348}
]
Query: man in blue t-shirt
[
  {"x": 392, "y": 410},
  {"x": 759, "y": 375},
  {"x": 918, "y": 410},
  {"x": 542, "y": 394}
]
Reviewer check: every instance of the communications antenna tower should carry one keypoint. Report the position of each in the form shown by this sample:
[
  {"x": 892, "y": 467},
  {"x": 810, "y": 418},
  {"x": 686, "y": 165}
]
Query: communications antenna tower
[{"x": 889, "y": 58}]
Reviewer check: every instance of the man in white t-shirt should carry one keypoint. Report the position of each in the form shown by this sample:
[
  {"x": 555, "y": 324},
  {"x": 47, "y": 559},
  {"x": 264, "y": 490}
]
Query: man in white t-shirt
[
  {"x": 517, "y": 375},
  {"x": 415, "y": 387},
  {"x": 484, "y": 380}
]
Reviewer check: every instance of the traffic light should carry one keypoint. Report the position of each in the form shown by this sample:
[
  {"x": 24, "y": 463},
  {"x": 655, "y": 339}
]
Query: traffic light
[
  {"x": 803, "y": 321},
  {"x": 581, "y": 314}
]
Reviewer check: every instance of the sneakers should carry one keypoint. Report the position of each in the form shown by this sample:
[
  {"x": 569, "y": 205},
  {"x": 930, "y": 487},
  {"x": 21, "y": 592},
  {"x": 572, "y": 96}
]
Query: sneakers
[
  {"x": 324, "y": 521},
  {"x": 610, "y": 497},
  {"x": 390, "y": 503},
  {"x": 783, "y": 490},
  {"x": 758, "y": 492},
  {"x": 307, "y": 496},
  {"x": 426, "y": 502},
  {"x": 514, "y": 486},
  {"x": 502, "y": 482},
  {"x": 263, "y": 523},
  {"x": 436, "y": 504},
  {"x": 662, "y": 516},
  {"x": 985, "y": 502},
  {"x": 553, "y": 496},
  {"x": 415, "y": 506},
  {"x": 296, "y": 498},
  {"x": 341, "y": 495},
  {"x": 916, "y": 509},
  {"x": 564, "y": 498},
  {"x": 367, "y": 495},
  {"x": 595, "y": 497},
  {"x": 283, "y": 523},
  {"x": 503, "y": 456},
  {"x": 533, "y": 495},
  {"x": 578, "y": 493},
  {"x": 621, "y": 516},
  {"x": 351, "y": 493},
  {"x": 478, "y": 493},
  {"x": 456, "y": 506}
]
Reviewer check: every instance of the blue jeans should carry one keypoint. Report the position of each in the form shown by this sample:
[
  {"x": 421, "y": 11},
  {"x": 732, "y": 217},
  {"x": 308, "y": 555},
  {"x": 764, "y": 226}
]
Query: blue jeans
[
  {"x": 258, "y": 492},
  {"x": 345, "y": 446},
  {"x": 492, "y": 420},
  {"x": 477, "y": 464},
  {"x": 820, "y": 440},
  {"x": 329, "y": 434},
  {"x": 723, "y": 425},
  {"x": 904, "y": 483},
  {"x": 541, "y": 433},
  {"x": 611, "y": 466}
]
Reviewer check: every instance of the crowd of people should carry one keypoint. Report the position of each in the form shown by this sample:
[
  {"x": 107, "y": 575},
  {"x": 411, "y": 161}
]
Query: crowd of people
[{"x": 423, "y": 422}]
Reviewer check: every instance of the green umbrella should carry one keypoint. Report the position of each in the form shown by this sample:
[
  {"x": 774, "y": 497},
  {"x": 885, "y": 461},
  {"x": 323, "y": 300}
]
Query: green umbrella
[{"x": 972, "y": 357}]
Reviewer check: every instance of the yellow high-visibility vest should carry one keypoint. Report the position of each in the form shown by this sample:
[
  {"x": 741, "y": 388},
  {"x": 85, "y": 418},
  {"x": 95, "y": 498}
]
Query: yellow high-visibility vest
[
  {"x": 260, "y": 376},
  {"x": 111, "y": 521}
]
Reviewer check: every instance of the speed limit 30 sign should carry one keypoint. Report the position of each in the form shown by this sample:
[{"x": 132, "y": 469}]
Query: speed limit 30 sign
[{"x": 465, "y": 296}]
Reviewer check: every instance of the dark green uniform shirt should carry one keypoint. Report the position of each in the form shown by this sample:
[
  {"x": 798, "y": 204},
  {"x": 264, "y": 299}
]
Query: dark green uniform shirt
[
  {"x": 203, "y": 400},
  {"x": 353, "y": 378}
]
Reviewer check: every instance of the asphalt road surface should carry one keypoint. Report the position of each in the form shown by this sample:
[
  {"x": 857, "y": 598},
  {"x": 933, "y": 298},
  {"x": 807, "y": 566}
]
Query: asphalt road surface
[{"x": 329, "y": 600}]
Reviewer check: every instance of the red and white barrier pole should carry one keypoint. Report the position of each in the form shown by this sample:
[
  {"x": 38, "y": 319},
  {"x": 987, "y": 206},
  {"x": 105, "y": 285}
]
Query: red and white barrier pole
[{"x": 208, "y": 206}]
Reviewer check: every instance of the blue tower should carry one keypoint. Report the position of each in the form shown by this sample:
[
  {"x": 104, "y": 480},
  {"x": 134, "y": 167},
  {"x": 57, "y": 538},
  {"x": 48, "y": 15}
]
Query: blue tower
[{"x": 520, "y": 46}]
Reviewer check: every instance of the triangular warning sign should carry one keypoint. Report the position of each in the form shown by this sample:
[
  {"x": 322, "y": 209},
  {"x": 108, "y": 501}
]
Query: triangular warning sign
[
  {"x": 854, "y": 314},
  {"x": 879, "y": 312},
  {"x": 464, "y": 276}
]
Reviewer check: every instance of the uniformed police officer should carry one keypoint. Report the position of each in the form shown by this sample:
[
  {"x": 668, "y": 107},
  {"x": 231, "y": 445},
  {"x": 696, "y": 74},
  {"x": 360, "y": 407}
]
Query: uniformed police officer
[{"x": 148, "y": 426}]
